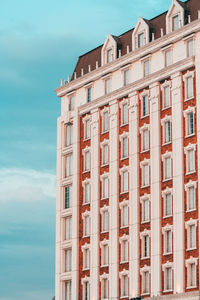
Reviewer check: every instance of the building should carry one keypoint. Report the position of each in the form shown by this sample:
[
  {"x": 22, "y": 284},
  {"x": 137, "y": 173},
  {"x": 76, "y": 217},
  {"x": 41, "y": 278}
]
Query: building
[{"x": 128, "y": 164}]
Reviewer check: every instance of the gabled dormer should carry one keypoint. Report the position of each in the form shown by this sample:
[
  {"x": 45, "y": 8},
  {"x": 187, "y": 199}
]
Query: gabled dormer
[
  {"x": 175, "y": 16},
  {"x": 140, "y": 36},
  {"x": 109, "y": 50}
]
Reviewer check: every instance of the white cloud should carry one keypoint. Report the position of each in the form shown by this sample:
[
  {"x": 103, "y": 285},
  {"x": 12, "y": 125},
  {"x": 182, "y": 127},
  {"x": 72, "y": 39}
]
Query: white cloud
[{"x": 25, "y": 185}]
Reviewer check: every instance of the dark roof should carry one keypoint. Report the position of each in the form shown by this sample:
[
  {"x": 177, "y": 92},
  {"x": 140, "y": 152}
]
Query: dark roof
[{"x": 191, "y": 8}]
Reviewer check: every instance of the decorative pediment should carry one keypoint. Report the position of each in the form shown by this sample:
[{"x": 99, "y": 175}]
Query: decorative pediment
[
  {"x": 109, "y": 50},
  {"x": 140, "y": 36},
  {"x": 174, "y": 17}
]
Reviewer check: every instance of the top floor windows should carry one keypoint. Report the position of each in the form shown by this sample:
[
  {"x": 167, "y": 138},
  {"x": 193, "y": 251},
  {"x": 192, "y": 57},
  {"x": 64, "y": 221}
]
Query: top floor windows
[
  {"x": 109, "y": 55},
  {"x": 124, "y": 114},
  {"x": 168, "y": 58},
  {"x": 189, "y": 87},
  {"x": 126, "y": 77},
  {"x": 146, "y": 68},
  {"x": 141, "y": 40},
  {"x": 87, "y": 129},
  {"x": 190, "y": 48},
  {"x": 89, "y": 94},
  {"x": 107, "y": 86},
  {"x": 175, "y": 22},
  {"x": 71, "y": 103},
  {"x": 145, "y": 108}
]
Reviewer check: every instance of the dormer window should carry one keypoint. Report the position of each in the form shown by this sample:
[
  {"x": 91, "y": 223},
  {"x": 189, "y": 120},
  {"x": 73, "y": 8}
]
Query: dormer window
[
  {"x": 141, "y": 40},
  {"x": 175, "y": 23},
  {"x": 109, "y": 55}
]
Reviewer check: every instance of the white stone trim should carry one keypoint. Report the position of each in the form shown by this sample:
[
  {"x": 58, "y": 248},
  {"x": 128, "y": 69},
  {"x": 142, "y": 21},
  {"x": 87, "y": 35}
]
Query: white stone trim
[{"x": 185, "y": 77}]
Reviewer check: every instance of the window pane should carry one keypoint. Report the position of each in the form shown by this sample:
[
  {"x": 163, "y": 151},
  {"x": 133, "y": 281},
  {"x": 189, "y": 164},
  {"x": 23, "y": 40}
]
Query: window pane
[
  {"x": 126, "y": 77},
  {"x": 146, "y": 175},
  {"x": 192, "y": 198},
  {"x": 145, "y": 139},
  {"x": 146, "y": 282},
  {"x": 145, "y": 105},
  {"x": 109, "y": 55},
  {"x": 69, "y": 135},
  {"x": 105, "y": 187},
  {"x": 125, "y": 114},
  {"x": 189, "y": 87},
  {"x": 125, "y": 181},
  {"x": 192, "y": 236},
  {"x": 87, "y": 129},
  {"x": 87, "y": 161},
  {"x": 68, "y": 196},
  {"x": 146, "y": 68},
  {"x": 87, "y": 193},
  {"x": 87, "y": 225},
  {"x": 124, "y": 147},
  {"x": 167, "y": 132},
  {"x": 190, "y": 123},
  {"x": 169, "y": 278},
  {"x": 105, "y": 220},
  {"x": 89, "y": 95},
  {"x": 168, "y": 58},
  {"x": 166, "y": 96},
  {"x": 71, "y": 103},
  {"x": 191, "y": 166},
  {"x": 168, "y": 168},
  {"x": 175, "y": 21},
  {"x": 168, "y": 208},
  {"x": 190, "y": 45},
  {"x": 125, "y": 215},
  {"x": 69, "y": 165},
  {"x": 68, "y": 260},
  {"x": 169, "y": 242},
  {"x": 146, "y": 210},
  {"x": 140, "y": 40},
  {"x": 68, "y": 288},
  {"x": 193, "y": 274},
  {"x": 146, "y": 246},
  {"x": 107, "y": 86},
  {"x": 105, "y": 121},
  {"x": 68, "y": 228}
]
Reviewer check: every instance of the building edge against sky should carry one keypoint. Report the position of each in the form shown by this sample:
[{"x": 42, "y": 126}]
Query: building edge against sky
[{"x": 127, "y": 216}]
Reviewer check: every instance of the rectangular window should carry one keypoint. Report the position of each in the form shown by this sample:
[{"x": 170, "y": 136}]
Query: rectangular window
[
  {"x": 168, "y": 58},
  {"x": 105, "y": 221},
  {"x": 192, "y": 198},
  {"x": 69, "y": 134},
  {"x": 105, "y": 154},
  {"x": 125, "y": 114},
  {"x": 168, "y": 204},
  {"x": 126, "y": 77},
  {"x": 125, "y": 182},
  {"x": 105, "y": 121},
  {"x": 124, "y": 251},
  {"x": 86, "y": 290},
  {"x": 89, "y": 94},
  {"x": 168, "y": 163},
  {"x": 146, "y": 282},
  {"x": 125, "y": 216},
  {"x": 190, "y": 48},
  {"x": 145, "y": 106},
  {"x": 189, "y": 87},
  {"x": 87, "y": 193},
  {"x": 87, "y": 161},
  {"x": 190, "y": 119},
  {"x": 146, "y": 68},
  {"x": 146, "y": 246},
  {"x": 192, "y": 236},
  {"x": 86, "y": 258},
  {"x": 146, "y": 175},
  {"x": 68, "y": 171},
  {"x": 68, "y": 260},
  {"x": 109, "y": 55},
  {"x": 68, "y": 228},
  {"x": 166, "y": 96},
  {"x": 125, "y": 147},
  {"x": 107, "y": 86},
  {"x": 146, "y": 210},
  {"x": 175, "y": 22},
  {"x": 167, "y": 132},
  {"x": 87, "y": 129},
  {"x": 192, "y": 275},
  {"x": 124, "y": 286},
  {"x": 168, "y": 278},
  {"x": 68, "y": 290},
  {"x": 86, "y": 225},
  {"x": 145, "y": 139},
  {"x": 104, "y": 288},
  {"x": 191, "y": 160},
  {"x": 105, "y": 255},
  {"x": 105, "y": 187},
  {"x": 168, "y": 241},
  {"x": 141, "y": 40},
  {"x": 68, "y": 196},
  {"x": 71, "y": 103}
]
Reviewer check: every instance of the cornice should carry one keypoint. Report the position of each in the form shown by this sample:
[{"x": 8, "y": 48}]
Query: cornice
[{"x": 129, "y": 58}]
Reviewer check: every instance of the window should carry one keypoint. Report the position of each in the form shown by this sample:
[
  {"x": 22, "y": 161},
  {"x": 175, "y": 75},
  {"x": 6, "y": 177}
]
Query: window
[
  {"x": 166, "y": 96},
  {"x": 190, "y": 48},
  {"x": 107, "y": 86},
  {"x": 168, "y": 278},
  {"x": 109, "y": 56},
  {"x": 105, "y": 221},
  {"x": 68, "y": 228},
  {"x": 86, "y": 291},
  {"x": 167, "y": 168},
  {"x": 68, "y": 196},
  {"x": 191, "y": 160},
  {"x": 124, "y": 250},
  {"x": 68, "y": 290},
  {"x": 145, "y": 210},
  {"x": 168, "y": 58},
  {"x": 168, "y": 204},
  {"x": 192, "y": 198},
  {"x": 105, "y": 187},
  {"x": 68, "y": 260},
  {"x": 87, "y": 161},
  {"x": 191, "y": 275},
  {"x": 125, "y": 182},
  {"x": 141, "y": 40},
  {"x": 69, "y": 134},
  {"x": 145, "y": 106},
  {"x": 86, "y": 258},
  {"x": 104, "y": 288},
  {"x": 89, "y": 94},
  {"x": 124, "y": 286},
  {"x": 167, "y": 133},
  {"x": 71, "y": 103},
  {"x": 145, "y": 135},
  {"x": 168, "y": 242},
  {"x": 192, "y": 237},
  {"x": 87, "y": 193},
  {"x": 87, "y": 129},
  {"x": 126, "y": 77},
  {"x": 190, "y": 123},
  {"x": 105, "y": 155},
  {"x": 124, "y": 147},
  {"x": 125, "y": 114},
  {"x": 145, "y": 283},
  {"x": 189, "y": 87},
  {"x": 104, "y": 257},
  {"x": 124, "y": 216},
  {"x": 105, "y": 121},
  {"x": 145, "y": 175},
  {"x": 68, "y": 171},
  {"x": 175, "y": 23},
  {"x": 86, "y": 224},
  {"x": 146, "y": 68},
  {"x": 146, "y": 246}
]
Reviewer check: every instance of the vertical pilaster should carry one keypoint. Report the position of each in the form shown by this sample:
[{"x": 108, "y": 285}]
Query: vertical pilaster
[
  {"x": 155, "y": 189},
  {"x": 113, "y": 200},
  {"x": 134, "y": 197},
  {"x": 94, "y": 238},
  {"x": 178, "y": 193}
]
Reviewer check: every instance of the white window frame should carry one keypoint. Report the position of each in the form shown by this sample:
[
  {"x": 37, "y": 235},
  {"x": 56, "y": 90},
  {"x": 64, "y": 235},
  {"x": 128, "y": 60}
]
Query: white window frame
[
  {"x": 85, "y": 215},
  {"x": 165, "y": 230},
  {"x": 164, "y": 196},
  {"x": 188, "y": 263},
  {"x": 122, "y": 205},
  {"x": 68, "y": 134},
  {"x": 68, "y": 165},
  {"x": 168, "y": 59},
  {"x": 190, "y": 184},
  {"x": 85, "y": 183},
  {"x": 165, "y": 156},
  {"x": 103, "y": 111},
  {"x": 104, "y": 277},
  {"x": 109, "y": 60},
  {"x": 166, "y": 84},
  {"x": 71, "y": 102},
  {"x": 172, "y": 20},
  {"x": 143, "y": 199},
  {"x": 166, "y": 266},
  {"x": 124, "y": 242},
  {"x": 124, "y": 186},
  {"x": 107, "y": 84},
  {"x": 103, "y": 190},
  {"x": 89, "y": 97},
  {"x": 164, "y": 121},
  {"x": 126, "y": 76},
  {"x": 190, "y": 51},
  {"x": 188, "y": 224},
  {"x": 144, "y": 163},
  {"x": 122, "y": 274},
  {"x": 124, "y": 135},
  {"x": 103, "y": 210},
  {"x": 83, "y": 282},
  {"x": 86, "y": 155},
  {"x": 102, "y": 145},
  {"x": 188, "y": 148},
  {"x": 86, "y": 263},
  {"x": 146, "y": 67},
  {"x": 121, "y": 105},
  {"x": 143, "y": 234},
  {"x": 186, "y": 113},
  {"x": 140, "y": 45},
  {"x": 143, "y": 94},
  {"x": 185, "y": 79},
  {"x": 87, "y": 135},
  {"x": 68, "y": 228},
  {"x": 142, "y": 130},
  {"x": 68, "y": 289},
  {"x": 142, "y": 273},
  {"x": 104, "y": 256},
  {"x": 68, "y": 262}
]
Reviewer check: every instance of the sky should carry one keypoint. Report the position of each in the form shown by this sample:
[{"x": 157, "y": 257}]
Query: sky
[{"x": 40, "y": 42}]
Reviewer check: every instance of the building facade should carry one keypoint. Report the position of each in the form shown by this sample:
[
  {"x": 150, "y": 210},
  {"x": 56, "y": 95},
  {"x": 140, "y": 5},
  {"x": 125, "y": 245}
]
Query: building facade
[{"x": 128, "y": 164}]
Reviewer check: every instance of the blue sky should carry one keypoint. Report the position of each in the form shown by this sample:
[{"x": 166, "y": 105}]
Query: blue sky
[{"x": 40, "y": 42}]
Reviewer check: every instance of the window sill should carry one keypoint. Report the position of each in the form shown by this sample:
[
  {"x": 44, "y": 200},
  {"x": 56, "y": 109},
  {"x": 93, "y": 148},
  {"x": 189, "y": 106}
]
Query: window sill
[
  {"x": 189, "y": 173},
  {"x": 145, "y": 222},
  {"x": 167, "y": 179},
  {"x": 106, "y": 231},
  {"x": 86, "y": 269},
  {"x": 168, "y": 291},
  {"x": 124, "y": 226},
  {"x": 167, "y": 107},
  {"x": 105, "y": 165},
  {"x": 168, "y": 216},
  {"x": 144, "y": 151},
  {"x": 145, "y": 294},
  {"x": 167, "y": 143},
  {"x": 86, "y": 171},
  {"x": 191, "y": 249},
  {"x": 191, "y": 98},
  {"x": 124, "y": 124},
  {"x": 167, "y": 253},
  {"x": 124, "y": 262},
  {"x": 104, "y": 132},
  {"x": 86, "y": 203},
  {"x": 86, "y": 236},
  {"x": 123, "y": 158},
  {"x": 191, "y": 287},
  {"x": 189, "y": 135},
  {"x": 190, "y": 210},
  {"x": 122, "y": 193},
  {"x": 104, "y": 198},
  {"x": 104, "y": 266},
  {"x": 123, "y": 297},
  {"x": 86, "y": 139},
  {"x": 147, "y": 257},
  {"x": 142, "y": 117},
  {"x": 145, "y": 186}
]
